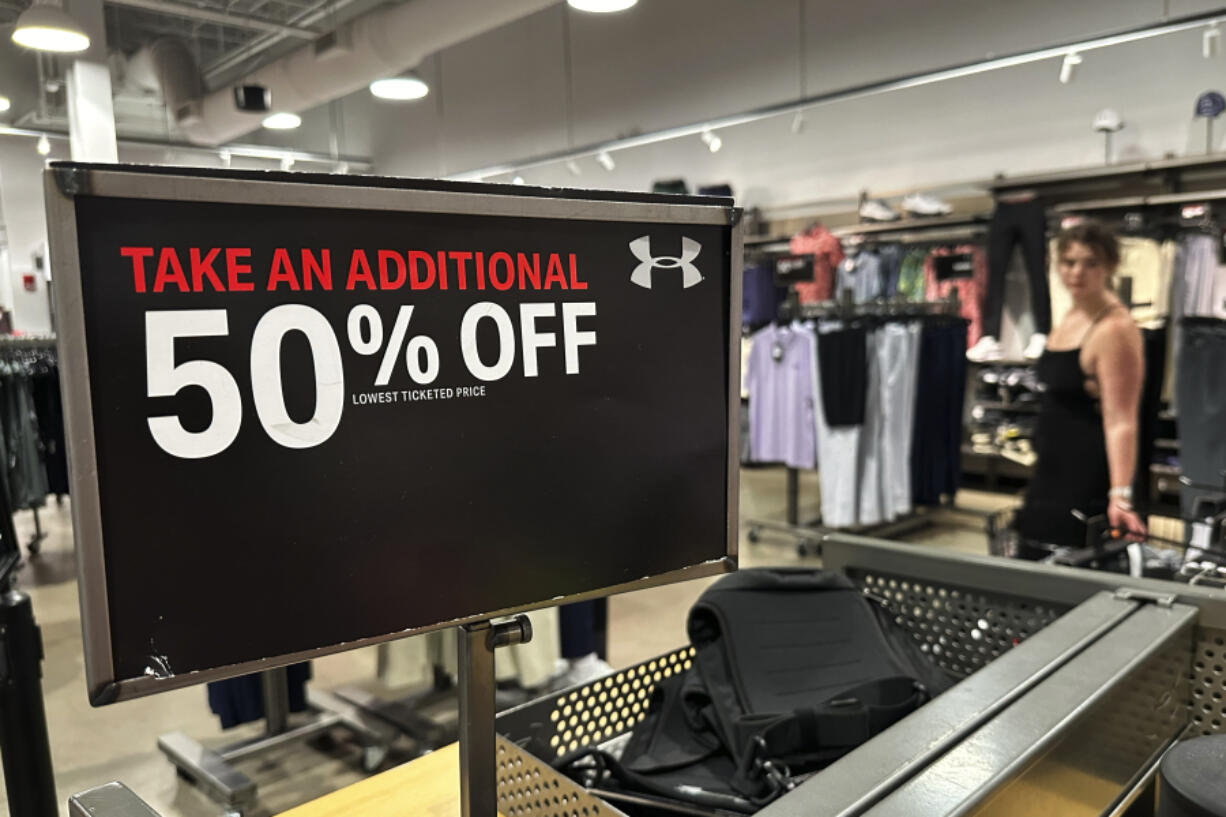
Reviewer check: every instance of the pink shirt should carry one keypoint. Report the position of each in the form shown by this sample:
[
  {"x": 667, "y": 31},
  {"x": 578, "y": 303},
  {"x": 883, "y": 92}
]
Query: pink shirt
[
  {"x": 829, "y": 254},
  {"x": 970, "y": 290}
]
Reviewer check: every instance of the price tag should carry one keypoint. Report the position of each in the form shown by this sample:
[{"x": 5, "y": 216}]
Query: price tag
[{"x": 307, "y": 414}]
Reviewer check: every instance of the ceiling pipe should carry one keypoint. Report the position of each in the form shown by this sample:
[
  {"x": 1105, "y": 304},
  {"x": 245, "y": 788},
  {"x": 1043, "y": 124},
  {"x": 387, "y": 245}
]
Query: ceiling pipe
[
  {"x": 205, "y": 15},
  {"x": 382, "y": 43}
]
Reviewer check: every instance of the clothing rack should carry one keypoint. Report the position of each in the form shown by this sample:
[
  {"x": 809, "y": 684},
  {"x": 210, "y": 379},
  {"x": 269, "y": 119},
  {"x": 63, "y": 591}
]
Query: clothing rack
[
  {"x": 809, "y": 534},
  {"x": 42, "y": 347}
]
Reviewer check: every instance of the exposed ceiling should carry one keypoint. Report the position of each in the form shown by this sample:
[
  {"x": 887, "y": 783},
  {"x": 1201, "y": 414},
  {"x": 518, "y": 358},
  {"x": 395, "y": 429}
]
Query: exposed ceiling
[{"x": 229, "y": 38}]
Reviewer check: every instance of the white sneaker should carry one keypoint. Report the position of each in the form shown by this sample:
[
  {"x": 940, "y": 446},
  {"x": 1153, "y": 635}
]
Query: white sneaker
[
  {"x": 987, "y": 349},
  {"x": 877, "y": 210},
  {"x": 1034, "y": 349},
  {"x": 919, "y": 204},
  {"x": 582, "y": 671}
]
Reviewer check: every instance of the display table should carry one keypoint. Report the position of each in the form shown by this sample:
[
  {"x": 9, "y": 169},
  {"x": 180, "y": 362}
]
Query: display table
[{"x": 429, "y": 786}]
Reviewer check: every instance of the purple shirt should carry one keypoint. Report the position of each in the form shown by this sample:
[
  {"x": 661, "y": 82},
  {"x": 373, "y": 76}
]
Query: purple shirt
[{"x": 781, "y": 397}]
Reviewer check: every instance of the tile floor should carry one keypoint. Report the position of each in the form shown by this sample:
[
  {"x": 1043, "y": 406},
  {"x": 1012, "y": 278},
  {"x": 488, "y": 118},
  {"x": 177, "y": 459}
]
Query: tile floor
[{"x": 91, "y": 746}]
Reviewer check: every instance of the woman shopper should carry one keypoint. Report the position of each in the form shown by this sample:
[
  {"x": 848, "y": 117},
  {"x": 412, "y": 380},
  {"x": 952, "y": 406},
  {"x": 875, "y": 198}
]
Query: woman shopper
[{"x": 1091, "y": 372}]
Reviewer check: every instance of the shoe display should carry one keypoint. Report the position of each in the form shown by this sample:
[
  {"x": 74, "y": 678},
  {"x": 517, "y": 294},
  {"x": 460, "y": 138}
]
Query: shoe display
[
  {"x": 988, "y": 348},
  {"x": 1034, "y": 349},
  {"x": 920, "y": 204},
  {"x": 877, "y": 210}
]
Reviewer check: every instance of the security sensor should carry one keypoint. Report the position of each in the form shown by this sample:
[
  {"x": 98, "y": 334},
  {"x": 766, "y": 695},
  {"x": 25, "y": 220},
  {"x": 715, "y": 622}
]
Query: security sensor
[{"x": 252, "y": 98}]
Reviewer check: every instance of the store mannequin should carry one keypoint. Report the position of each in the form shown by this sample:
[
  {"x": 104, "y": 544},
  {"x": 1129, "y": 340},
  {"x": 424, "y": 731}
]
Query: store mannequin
[{"x": 1092, "y": 372}]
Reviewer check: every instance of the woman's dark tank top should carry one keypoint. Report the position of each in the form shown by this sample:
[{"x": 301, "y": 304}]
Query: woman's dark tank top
[{"x": 1072, "y": 471}]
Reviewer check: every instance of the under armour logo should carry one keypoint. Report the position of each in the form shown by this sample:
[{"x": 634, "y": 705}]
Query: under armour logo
[{"x": 641, "y": 249}]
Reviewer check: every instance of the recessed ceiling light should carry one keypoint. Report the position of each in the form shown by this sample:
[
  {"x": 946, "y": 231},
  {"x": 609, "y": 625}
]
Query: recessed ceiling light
[
  {"x": 400, "y": 89},
  {"x": 45, "y": 27},
  {"x": 282, "y": 121},
  {"x": 601, "y": 6}
]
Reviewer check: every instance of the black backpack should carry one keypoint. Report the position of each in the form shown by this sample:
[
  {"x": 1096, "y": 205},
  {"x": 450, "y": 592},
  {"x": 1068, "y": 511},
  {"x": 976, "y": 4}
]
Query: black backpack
[{"x": 793, "y": 668}]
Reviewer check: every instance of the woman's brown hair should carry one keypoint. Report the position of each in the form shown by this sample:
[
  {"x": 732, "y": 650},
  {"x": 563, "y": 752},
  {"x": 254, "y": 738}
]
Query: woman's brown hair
[{"x": 1097, "y": 236}]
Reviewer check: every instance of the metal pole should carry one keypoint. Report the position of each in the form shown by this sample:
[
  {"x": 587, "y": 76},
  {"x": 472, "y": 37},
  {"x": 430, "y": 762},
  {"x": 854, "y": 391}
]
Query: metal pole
[
  {"x": 478, "y": 760},
  {"x": 24, "y": 745},
  {"x": 793, "y": 497},
  {"x": 478, "y": 749},
  {"x": 274, "y": 686}
]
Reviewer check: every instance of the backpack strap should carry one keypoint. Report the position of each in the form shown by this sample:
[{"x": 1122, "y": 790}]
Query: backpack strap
[{"x": 768, "y": 742}]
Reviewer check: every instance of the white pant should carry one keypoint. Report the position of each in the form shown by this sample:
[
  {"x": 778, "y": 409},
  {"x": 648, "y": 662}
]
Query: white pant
[{"x": 898, "y": 360}]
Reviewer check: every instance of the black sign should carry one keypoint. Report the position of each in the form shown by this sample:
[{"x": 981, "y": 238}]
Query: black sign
[
  {"x": 790, "y": 269},
  {"x": 323, "y": 414},
  {"x": 953, "y": 266}
]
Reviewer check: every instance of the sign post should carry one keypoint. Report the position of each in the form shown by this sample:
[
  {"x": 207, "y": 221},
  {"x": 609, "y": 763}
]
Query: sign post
[{"x": 311, "y": 413}]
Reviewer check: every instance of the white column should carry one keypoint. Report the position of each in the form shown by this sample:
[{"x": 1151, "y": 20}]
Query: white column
[{"x": 91, "y": 113}]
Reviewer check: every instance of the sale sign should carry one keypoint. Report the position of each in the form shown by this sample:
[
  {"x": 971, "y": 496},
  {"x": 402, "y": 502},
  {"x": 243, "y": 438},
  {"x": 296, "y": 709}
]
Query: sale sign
[{"x": 310, "y": 413}]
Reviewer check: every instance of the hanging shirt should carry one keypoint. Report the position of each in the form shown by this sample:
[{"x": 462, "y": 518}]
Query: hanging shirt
[
  {"x": 911, "y": 276},
  {"x": 760, "y": 298},
  {"x": 861, "y": 273},
  {"x": 970, "y": 289},
  {"x": 780, "y": 377},
  {"x": 827, "y": 252}
]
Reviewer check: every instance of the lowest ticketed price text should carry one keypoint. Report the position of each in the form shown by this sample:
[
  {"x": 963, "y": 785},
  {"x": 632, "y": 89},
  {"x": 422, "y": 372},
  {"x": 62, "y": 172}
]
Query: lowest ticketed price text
[{"x": 521, "y": 331}]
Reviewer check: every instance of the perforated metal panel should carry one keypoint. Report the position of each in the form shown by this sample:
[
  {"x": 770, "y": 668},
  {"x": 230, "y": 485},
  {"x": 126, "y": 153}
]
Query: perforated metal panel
[
  {"x": 963, "y": 628},
  {"x": 1208, "y": 677},
  {"x": 594, "y": 713},
  {"x": 529, "y": 788}
]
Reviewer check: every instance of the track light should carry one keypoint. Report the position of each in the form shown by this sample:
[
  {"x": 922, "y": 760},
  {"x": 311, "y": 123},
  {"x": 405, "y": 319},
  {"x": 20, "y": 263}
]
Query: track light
[
  {"x": 404, "y": 88},
  {"x": 45, "y": 26},
  {"x": 342, "y": 168},
  {"x": 601, "y": 6},
  {"x": 282, "y": 121},
  {"x": 5, "y": 103},
  {"x": 1211, "y": 41},
  {"x": 798, "y": 122},
  {"x": 225, "y": 156},
  {"x": 712, "y": 141},
  {"x": 44, "y": 145},
  {"x": 517, "y": 180},
  {"x": 573, "y": 167},
  {"x": 606, "y": 161},
  {"x": 1071, "y": 60},
  {"x": 287, "y": 163}
]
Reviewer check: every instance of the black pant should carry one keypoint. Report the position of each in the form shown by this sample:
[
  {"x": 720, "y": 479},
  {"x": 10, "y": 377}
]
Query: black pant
[
  {"x": 1014, "y": 223},
  {"x": 936, "y": 441},
  {"x": 1201, "y": 397}
]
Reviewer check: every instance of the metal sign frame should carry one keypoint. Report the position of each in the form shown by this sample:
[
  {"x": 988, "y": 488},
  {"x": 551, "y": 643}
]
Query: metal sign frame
[{"x": 65, "y": 180}]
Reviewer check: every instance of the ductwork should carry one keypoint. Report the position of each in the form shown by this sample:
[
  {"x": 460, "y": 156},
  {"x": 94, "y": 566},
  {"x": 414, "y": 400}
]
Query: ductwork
[{"x": 383, "y": 43}]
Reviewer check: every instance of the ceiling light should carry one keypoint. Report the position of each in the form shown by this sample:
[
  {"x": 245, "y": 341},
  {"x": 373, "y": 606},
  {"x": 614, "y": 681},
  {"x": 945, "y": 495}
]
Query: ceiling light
[
  {"x": 44, "y": 145},
  {"x": 798, "y": 122},
  {"x": 287, "y": 163},
  {"x": 573, "y": 167},
  {"x": 605, "y": 160},
  {"x": 712, "y": 141},
  {"x": 45, "y": 27},
  {"x": 400, "y": 89},
  {"x": 1211, "y": 40},
  {"x": 601, "y": 6},
  {"x": 282, "y": 121},
  {"x": 1071, "y": 61},
  {"x": 342, "y": 168},
  {"x": 5, "y": 104},
  {"x": 226, "y": 157}
]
